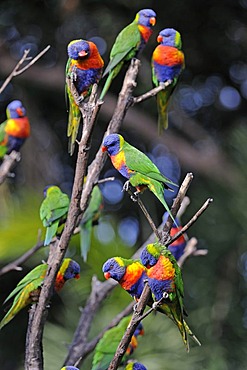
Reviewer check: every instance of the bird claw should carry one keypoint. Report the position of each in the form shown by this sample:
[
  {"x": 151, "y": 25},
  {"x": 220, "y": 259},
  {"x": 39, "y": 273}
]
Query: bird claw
[
  {"x": 135, "y": 307},
  {"x": 126, "y": 186},
  {"x": 79, "y": 100},
  {"x": 155, "y": 305},
  {"x": 165, "y": 295},
  {"x": 134, "y": 197}
]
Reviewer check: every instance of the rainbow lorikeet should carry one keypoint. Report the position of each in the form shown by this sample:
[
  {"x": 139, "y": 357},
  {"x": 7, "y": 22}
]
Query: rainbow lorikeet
[
  {"x": 129, "y": 273},
  {"x": 69, "y": 368},
  {"x": 167, "y": 64},
  {"x": 165, "y": 281},
  {"x": 15, "y": 130},
  {"x": 90, "y": 219},
  {"x": 140, "y": 171},
  {"x": 135, "y": 366},
  {"x": 84, "y": 67},
  {"x": 106, "y": 347},
  {"x": 28, "y": 289},
  {"x": 128, "y": 44},
  {"x": 177, "y": 247},
  {"x": 53, "y": 210}
]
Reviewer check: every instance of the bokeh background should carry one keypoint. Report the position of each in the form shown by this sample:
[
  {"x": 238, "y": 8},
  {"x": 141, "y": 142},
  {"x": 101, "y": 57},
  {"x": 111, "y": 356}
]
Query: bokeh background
[{"x": 207, "y": 135}]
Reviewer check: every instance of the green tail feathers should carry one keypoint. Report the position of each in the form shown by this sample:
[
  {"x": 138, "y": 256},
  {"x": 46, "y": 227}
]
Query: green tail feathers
[
  {"x": 162, "y": 103},
  {"x": 50, "y": 232}
]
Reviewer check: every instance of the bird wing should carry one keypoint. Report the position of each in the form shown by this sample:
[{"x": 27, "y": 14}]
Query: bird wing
[
  {"x": 54, "y": 207},
  {"x": 2, "y": 130},
  {"x": 128, "y": 39}
]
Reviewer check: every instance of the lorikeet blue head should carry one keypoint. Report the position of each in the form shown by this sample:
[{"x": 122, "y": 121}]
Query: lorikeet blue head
[
  {"x": 78, "y": 49},
  {"x": 71, "y": 269},
  {"x": 15, "y": 109},
  {"x": 150, "y": 255},
  {"x": 70, "y": 368},
  {"x": 135, "y": 366},
  {"x": 49, "y": 188},
  {"x": 114, "y": 268},
  {"x": 112, "y": 144},
  {"x": 170, "y": 37},
  {"x": 146, "y": 17}
]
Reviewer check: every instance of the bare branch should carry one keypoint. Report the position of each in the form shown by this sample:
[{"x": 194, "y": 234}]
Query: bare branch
[
  {"x": 9, "y": 161},
  {"x": 191, "y": 250},
  {"x": 151, "y": 93},
  {"x": 16, "y": 71}
]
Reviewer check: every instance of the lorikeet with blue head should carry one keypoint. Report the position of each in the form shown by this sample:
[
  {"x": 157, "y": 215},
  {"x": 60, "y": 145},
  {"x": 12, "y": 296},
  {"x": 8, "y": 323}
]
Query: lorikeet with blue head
[
  {"x": 106, "y": 347},
  {"x": 53, "y": 210},
  {"x": 135, "y": 366},
  {"x": 128, "y": 44},
  {"x": 15, "y": 130},
  {"x": 177, "y": 247},
  {"x": 84, "y": 67},
  {"x": 90, "y": 219},
  {"x": 69, "y": 368},
  {"x": 165, "y": 281},
  {"x": 28, "y": 289},
  {"x": 167, "y": 64},
  {"x": 129, "y": 273},
  {"x": 140, "y": 171}
]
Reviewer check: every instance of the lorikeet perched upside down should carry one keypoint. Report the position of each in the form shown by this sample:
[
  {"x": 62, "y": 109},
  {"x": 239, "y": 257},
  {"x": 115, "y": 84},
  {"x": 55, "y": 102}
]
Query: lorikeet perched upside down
[
  {"x": 177, "y": 247},
  {"x": 84, "y": 67},
  {"x": 128, "y": 44},
  {"x": 15, "y": 130},
  {"x": 28, "y": 289},
  {"x": 165, "y": 281},
  {"x": 167, "y": 64},
  {"x": 141, "y": 172}
]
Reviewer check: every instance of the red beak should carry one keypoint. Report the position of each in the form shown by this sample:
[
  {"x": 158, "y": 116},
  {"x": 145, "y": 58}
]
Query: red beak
[
  {"x": 159, "y": 39},
  {"x": 77, "y": 276},
  {"x": 104, "y": 149},
  {"x": 20, "y": 112},
  {"x": 107, "y": 275},
  {"x": 152, "y": 21},
  {"x": 82, "y": 53}
]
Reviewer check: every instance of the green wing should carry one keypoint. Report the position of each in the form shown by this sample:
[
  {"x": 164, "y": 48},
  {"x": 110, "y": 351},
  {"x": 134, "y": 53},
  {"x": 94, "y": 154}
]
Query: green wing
[
  {"x": 140, "y": 163},
  {"x": 2, "y": 130},
  {"x": 54, "y": 207},
  {"x": 126, "y": 42}
]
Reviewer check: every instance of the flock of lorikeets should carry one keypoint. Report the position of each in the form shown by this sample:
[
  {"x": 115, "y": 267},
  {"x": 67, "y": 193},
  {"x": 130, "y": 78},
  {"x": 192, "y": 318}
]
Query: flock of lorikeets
[{"x": 158, "y": 264}]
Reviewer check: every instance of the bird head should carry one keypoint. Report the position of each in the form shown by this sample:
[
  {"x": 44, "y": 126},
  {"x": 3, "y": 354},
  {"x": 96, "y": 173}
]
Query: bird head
[
  {"x": 150, "y": 255},
  {"x": 69, "y": 368},
  {"x": 50, "y": 189},
  {"x": 146, "y": 17},
  {"x": 170, "y": 37},
  {"x": 112, "y": 143},
  {"x": 135, "y": 366},
  {"x": 15, "y": 109},
  {"x": 78, "y": 49},
  {"x": 70, "y": 269},
  {"x": 114, "y": 268}
]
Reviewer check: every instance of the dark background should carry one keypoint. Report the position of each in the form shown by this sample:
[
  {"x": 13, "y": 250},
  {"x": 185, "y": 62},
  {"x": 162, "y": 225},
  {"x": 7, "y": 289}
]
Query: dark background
[{"x": 206, "y": 135}]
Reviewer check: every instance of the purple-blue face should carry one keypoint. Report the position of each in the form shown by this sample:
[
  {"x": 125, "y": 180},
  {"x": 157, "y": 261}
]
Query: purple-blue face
[
  {"x": 15, "y": 109},
  {"x": 111, "y": 144},
  {"x": 169, "y": 37},
  {"x": 78, "y": 49},
  {"x": 72, "y": 271},
  {"x": 138, "y": 366},
  {"x": 46, "y": 188},
  {"x": 112, "y": 269},
  {"x": 147, "y": 17},
  {"x": 148, "y": 259}
]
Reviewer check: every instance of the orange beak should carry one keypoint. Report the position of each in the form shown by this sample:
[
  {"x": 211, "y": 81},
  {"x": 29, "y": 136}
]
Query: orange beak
[
  {"x": 159, "y": 39},
  {"x": 104, "y": 149},
  {"x": 77, "y": 276},
  {"x": 152, "y": 21},
  {"x": 20, "y": 112},
  {"x": 82, "y": 53},
  {"x": 107, "y": 275}
]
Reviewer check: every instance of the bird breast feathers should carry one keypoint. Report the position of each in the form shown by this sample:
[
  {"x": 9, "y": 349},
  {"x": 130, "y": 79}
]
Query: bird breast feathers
[
  {"x": 168, "y": 56},
  {"x": 163, "y": 270}
]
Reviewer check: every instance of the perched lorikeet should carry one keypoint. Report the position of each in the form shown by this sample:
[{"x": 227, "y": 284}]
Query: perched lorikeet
[
  {"x": 106, "y": 347},
  {"x": 28, "y": 289},
  {"x": 130, "y": 274},
  {"x": 69, "y": 368},
  {"x": 15, "y": 130},
  {"x": 165, "y": 281},
  {"x": 136, "y": 167},
  {"x": 90, "y": 218},
  {"x": 167, "y": 64},
  {"x": 84, "y": 67},
  {"x": 53, "y": 210},
  {"x": 177, "y": 247},
  {"x": 135, "y": 366},
  {"x": 128, "y": 44}
]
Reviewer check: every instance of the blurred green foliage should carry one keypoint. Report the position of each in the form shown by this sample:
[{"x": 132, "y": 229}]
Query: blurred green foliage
[{"x": 212, "y": 92}]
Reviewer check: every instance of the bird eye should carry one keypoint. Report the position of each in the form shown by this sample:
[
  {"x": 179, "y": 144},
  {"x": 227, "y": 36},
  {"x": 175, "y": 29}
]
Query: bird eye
[{"x": 111, "y": 267}]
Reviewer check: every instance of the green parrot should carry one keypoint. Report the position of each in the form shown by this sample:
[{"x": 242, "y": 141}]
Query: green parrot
[
  {"x": 106, "y": 347},
  {"x": 53, "y": 210},
  {"x": 136, "y": 167},
  {"x": 90, "y": 218},
  {"x": 28, "y": 289},
  {"x": 128, "y": 44},
  {"x": 165, "y": 281}
]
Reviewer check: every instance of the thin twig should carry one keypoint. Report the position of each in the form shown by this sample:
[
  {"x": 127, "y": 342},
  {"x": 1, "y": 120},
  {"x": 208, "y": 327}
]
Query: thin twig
[
  {"x": 191, "y": 250},
  {"x": 151, "y": 93},
  {"x": 16, "y": 71},
  {"x": 9, "y": 161},
  {"x": 106, "y": 179}
]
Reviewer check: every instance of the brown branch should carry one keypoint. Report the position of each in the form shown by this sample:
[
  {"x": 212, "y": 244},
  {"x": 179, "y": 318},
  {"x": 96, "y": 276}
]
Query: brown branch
[
  {"x": 151, "y": 93},
  {"x": 9, "y": 161},
  {"x": 135, "y": 320},
  {"x": 191, "y": 250},
  {"x": 16, "y": 71}
]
